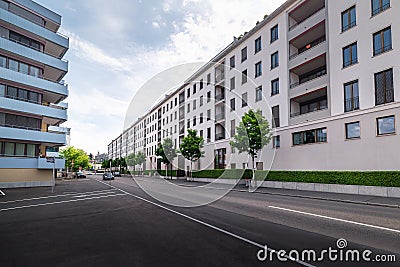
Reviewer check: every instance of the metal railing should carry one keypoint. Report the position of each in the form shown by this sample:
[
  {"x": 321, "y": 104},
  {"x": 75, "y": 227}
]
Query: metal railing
[
  {"x": 349, "y": 26},
  {"x": 20, "y": 127},
  {"x": 309, "y": 78},
  {"x": 384, "y": 96},
  {"x": 296, "y": 114},
  {"x": 310, "y": 46},
  {"x": 22, "y": 99},
  {"x": 219, "y": 136},
  {"x": 380, "y": 9},
  {"x": 219, "y": 97},
  {"x": 350, "y": 62},
  {"x": 380, "y": 50},
  {"x": 292, "y": 27},
  {"x": 351, "y": 104},
  {"x": 220, "y": 116}
]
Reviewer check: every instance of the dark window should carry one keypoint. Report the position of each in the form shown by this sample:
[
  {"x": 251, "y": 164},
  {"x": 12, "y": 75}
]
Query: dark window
[
  {"x": 233, "y": 104},
  {"x": 275, "y": 117},
  {"x": 314, "y": 105},
  {"x": 188, "y": 92},
  {"x": 351, "y": 96},
  {"x": 244, "y": 76},
  {"x": 386, "y": 125},
  {"x": 194, "y": 88},
  {"x": 194, "y": 121},
  {"x": 244, "y": 54},
  {"x": 384, "y": 88},
  {"x": 208, "y": 79},
  {"x": 349, "y": 18},
  {"x": 209, "y": 115},
  {"x": 382, "y": 41},
  {"x": 208, "y": 134},
  {"x": 258, "y": 69},
  {"x": 274, "y": 60},
  {"x": 274, "y": 34},
  {"x": 310, "y": 137},
  {"x": 232, "y": 62},
  {"x": 353, "y": 130},
  {"x": 257, "y": 45},
  {"x": 23, "y": 40},
  {"x": 201, "y": 118},
  {"x": 201, "y": 84},
  {"x": 259, "y": 93},
  {"x": 275, "y": 87},
  {"x": 276, "y": 141},
  {"x": 233, "y": 83},
  {"x": 208, "y": 96},
  {"x": 379, "y": 5},
  {"x": 201, "y": 100},
  {"x": 350, "y": 56},
  {"x": 244, "y": 100},
  {"x": 220, "y": 159}
]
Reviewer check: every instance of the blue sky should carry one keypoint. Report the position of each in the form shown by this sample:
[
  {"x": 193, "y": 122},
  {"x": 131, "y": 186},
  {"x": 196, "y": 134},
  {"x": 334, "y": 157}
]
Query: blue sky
[{"x": 116, "y": 46}]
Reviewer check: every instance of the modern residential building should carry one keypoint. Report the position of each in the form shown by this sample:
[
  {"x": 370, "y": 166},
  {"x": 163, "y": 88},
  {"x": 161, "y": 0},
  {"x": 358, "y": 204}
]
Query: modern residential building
[
  {"x": 326, "y": 72},
  {"x": 32, "y": 89}
]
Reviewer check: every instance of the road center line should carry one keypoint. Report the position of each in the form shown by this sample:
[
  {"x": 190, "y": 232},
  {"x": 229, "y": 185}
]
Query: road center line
[
  {"x": 336, "y": 219},
  {"x": 205, "y": 224},
  {"x": 58, "y": 202}
]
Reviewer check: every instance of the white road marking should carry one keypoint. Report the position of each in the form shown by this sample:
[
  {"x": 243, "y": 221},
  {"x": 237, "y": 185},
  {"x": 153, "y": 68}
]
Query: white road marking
[
  {"x": 205, "y": 224},
  {"x": 2, "y": 193},
  {"x": 337, "y": 219},
  {"x": 63, "y": 195},
  {"x": 58, "y": 202}
]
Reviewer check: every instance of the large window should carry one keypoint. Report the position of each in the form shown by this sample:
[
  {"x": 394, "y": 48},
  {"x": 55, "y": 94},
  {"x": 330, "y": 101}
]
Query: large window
[
  {"x": 232, "y": 62},
  {"x": 384, "y": 88},
  {"x": 382, "y": 41},
  {"x": 244, "y": 54},
  {"x": 351, "y": 96},
  {"x": 274, "y": 60},
  {"x": 257, "y": 45},
  {"x": 244, "y": 100},
  {"x": 258, "y": 69},
  {"x": 276, "y": 117},
  {"x": 244, "y": 76},
  {"x": 220, "y": 159},
  {"x": 9, "y": 149},
  {"x": 353, "y": 130},
  {"x": 259, "y": 93},
  {"x": 275, "y": 87},
  {"x": 314, "y": 105},
  {"x": 386, "y": 125},
  {"x": 22, "y": 95},
  {"x": 233, "y": 104},
  {"x": 349, "y": 18},
  {"x": 379, "y": 5},
  {"x": 18, "y": 38},
  {"x": 310, "y": 137},
  {"x": 350, "y": 56},
  {"x": 274, "y": 34},
  {"x": 233, "y": 83},
  {"x": 276, "y": 141}
]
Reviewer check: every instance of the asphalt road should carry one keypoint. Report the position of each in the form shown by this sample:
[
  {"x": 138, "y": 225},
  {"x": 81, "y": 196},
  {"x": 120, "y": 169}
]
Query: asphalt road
[{"x": 89, "y": 223}]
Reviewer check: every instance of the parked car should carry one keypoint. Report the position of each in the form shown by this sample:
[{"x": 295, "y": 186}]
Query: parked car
[
  {"x": 89, "y": 173},
  {"x": 117, "y": 174},
  {"x": 108, "y": 176},
  {"x": 80, "y": 175}
]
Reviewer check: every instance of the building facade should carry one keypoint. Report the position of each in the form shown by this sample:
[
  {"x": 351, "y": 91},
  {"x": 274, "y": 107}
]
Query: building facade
[
  {"x": 324, "y": 72},
  {"x": 32, "y": 89}
]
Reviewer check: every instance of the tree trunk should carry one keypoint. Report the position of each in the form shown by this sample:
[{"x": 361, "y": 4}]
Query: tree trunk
[{"x": 254, "y": 171}]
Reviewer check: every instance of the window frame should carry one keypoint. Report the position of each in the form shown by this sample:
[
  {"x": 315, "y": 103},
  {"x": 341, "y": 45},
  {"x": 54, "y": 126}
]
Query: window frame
[
  {"x": 385, "y": 117},
  {"x": 347, "y": 130},
  {"x": 274, "y": 60},
  {"x": 350, "y": 48},
  {"x": 350, "y": 24},
  {"x": 383, "y": 49}
]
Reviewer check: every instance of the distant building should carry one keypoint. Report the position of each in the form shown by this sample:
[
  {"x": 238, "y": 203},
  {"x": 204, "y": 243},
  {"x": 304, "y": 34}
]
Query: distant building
[
  {"x": 31, "y": 93},
  {"x": 99, "y": 158}
]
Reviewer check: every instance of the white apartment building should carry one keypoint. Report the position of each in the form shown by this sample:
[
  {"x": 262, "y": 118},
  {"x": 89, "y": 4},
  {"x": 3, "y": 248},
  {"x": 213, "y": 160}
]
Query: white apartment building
[{"x": 326, "y": 72}]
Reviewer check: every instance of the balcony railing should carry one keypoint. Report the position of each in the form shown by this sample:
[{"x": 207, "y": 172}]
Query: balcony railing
[
  {"x": 349, "y": 26},
  {"x": 384, "y": 96},
  {"x": 219, "y": 77},
  {"x": 22, "y": 99},
  {"x": 20, "y": 127},
  {"x": 381, "y": 50},
  {"x": 296, "y": 114},
  {"x": 309, "y": 78},
  {"x": 308, "y": 47},
  {"x": 219, "y": 97},
  {"x": 292, "y": 27},
  {"x": 351, "y": 104},
  {"x": 220, "y": 116},
  {"x": 219, "y": 136},
  {"x": 380, "y": 9}
]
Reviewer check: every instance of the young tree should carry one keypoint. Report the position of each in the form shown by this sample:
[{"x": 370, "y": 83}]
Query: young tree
[
  {"x": 252, "y": 134},
  {"x": 191, "y": 147},
  {"x": 78, "y": 157},
  {"x": 131, "y": 161},
  {"x": 140, "y": 158},
  {"x": 167, "y": 153}
]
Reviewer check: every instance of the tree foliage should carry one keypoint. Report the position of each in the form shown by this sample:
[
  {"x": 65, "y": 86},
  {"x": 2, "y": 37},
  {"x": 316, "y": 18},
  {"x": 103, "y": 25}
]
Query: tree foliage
[
  {"x": 166, "y": 151},
  {"x": 78, "y": 157},
  {"x": 191, "y": 146}
]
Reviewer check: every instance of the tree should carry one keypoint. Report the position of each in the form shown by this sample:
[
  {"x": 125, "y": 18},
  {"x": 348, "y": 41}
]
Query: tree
[
  {"x": 140, "y": 158},
  {"x": 135, "y": 159},
  {"x": 252, "y": 134},
  {"x": 105, "y": 164},
  {"x": 91, "y": 156},
  {"x": 167, "y": 153},
  {"x": 191, "y": 147},
  {"x": 75, "y": 158}
]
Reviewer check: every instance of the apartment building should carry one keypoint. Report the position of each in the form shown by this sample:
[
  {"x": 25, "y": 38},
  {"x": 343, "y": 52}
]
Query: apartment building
[
  {"x": 32, "y": 92},
  {"x": 326, "y": 75}
]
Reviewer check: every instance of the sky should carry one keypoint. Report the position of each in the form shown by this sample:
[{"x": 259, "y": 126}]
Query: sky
[{"x": 116, "y": 46}]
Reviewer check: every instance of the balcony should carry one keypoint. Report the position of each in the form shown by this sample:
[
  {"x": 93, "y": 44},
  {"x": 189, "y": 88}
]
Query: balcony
[
  {"x": 220, "y": 97},
  {"x": 33, "y": 108},
  {"x": 305, "y": 17},
  {"x": 54, "y": 92},
  {"x": 220, "y": 117},
  {"x": 55, "y": 68},
  {"x": 7, "y": 132},
  {"x": 57, "y": 44},
  {"x": 219, "y": 136},
  {"x": 309, "y": 106},
  {"x": 320, "y": 48},
  {"x": 30, "y": 163},
  {"x": 56, "y": 129}
]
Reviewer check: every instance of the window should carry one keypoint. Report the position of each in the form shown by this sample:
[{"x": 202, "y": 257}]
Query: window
[
  {"x": 310, "y": 137},
  {"x": 382, "y": 41},
  {"x": 201, "y": 133},
  {"x": 201, "y": 100},
  {"x": 201, "y": 84},
  {"x": 386, "y": 125},
  {"x": 384, "y": 88},
  {"x": 244, "y": 54},
  {"x": 232, "y": 62},
  {"x": 244, "y": 76},
  {"x": 176, "y": 101},
  {"x": 244, "y": 100},
  {"x": 209, "y": 115},
  {"x": 350, "y": 55},
  {"x": 348, "y": 19},
  {"x": 258, "y": 69},
  {"x": 3, "y": 62},
  {"x": 188, "y": 108},
  {"x": 259, "y": 93},
  {"x": 233, "y": 104},
  {"x": 379, "y": 5},
  {"x": 194, "y": 121},
  {"x": 351, "y": 96},
  {"x": 188, "y": 92},
  {"x": 275, "y": 117},
  {"x": 274, "y": 60},
  {"x": 233, "y": 128},
  {"x": 274, "y": 33},
  {"x": 320, "y": 103},
  {"x": 194, "y": 88},
  {"x": 257, "y": 45},
  {"x": 276, "y": 141},
  {"x": 208, "y": 134},
  {"x": 275, "y": 87},
  {"x": 188, "y": 123},
  {"x": 208, "y": 79},
  {"x": 353, "y": 130},
  {"x": 194, "y": 104},
  {"x": 208, "y": 96},
  {"x": 233, "y": 83},
  {"x": 201, "y": 118}
]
